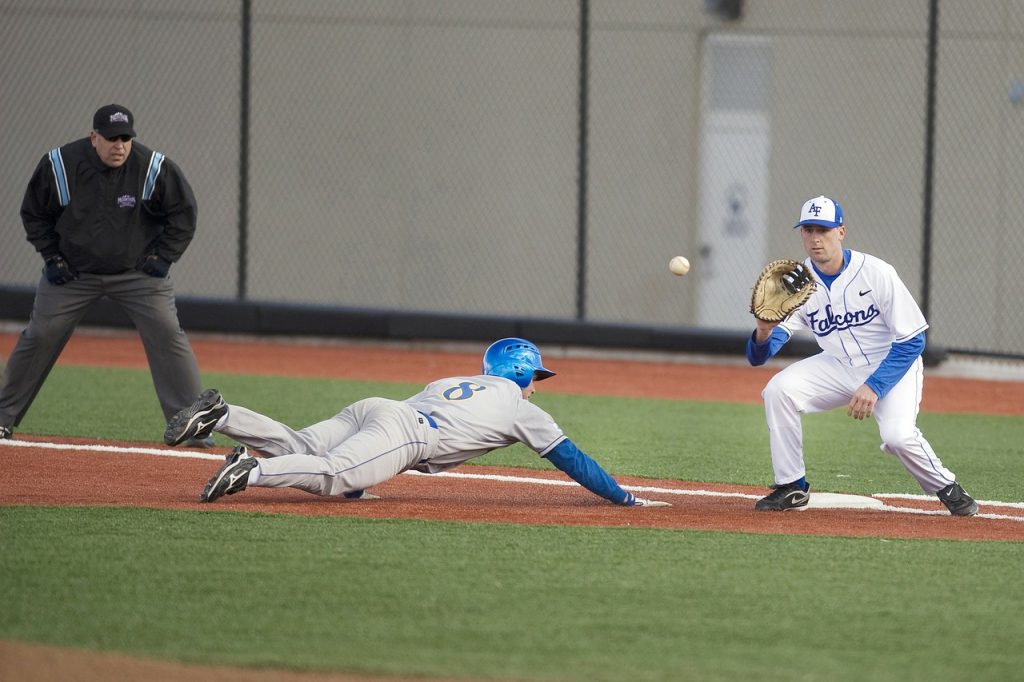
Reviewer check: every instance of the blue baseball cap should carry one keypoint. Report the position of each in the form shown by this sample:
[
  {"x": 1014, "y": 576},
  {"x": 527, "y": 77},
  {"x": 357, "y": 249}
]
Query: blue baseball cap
[{"x": 821, "y": 211}]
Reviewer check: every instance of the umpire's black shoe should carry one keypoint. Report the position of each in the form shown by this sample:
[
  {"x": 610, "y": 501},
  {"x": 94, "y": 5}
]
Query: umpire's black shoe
[
  {"x": 957, "y": 501},
  {"x": 196, "y": 421},
  {"x": 789, "y": 496},
  {"x": 232, "y": 478},
  {"x": 6, "y": 432}
]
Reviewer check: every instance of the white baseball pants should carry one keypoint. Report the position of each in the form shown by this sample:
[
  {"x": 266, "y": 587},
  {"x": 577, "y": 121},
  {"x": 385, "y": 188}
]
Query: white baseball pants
[{"x": 821, "y": 383}]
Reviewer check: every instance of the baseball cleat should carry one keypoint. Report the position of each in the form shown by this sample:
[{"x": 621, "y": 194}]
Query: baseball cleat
[
  {"x": 232, "y": 477},
  {"x": 957, "y": 501},
  {"x": 360, "y": 495},
  {"x": 789, "y": 496},
  {"x": 6, "y": 433},
  {"x": 196, "y": 422}
]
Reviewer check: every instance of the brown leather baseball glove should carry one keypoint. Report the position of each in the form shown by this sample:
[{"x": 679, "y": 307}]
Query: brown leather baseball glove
[{"x": 783, "y": 286}]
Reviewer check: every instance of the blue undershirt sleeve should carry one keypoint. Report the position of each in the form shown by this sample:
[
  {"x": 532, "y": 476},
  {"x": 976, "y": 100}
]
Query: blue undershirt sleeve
[
  {"x": 760, "y": 353},
  {"x": 901, "y": 356},
  {"x": 581, "y": 468}
]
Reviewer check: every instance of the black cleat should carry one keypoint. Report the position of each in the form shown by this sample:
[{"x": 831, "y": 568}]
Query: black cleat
[
  {"x": 784, "y": 497},
  {"x": 360, "y": 495},
  {"x": 6, "y": 432},
  {"x": 196, "y": 422},
  {"x": 232, "y": 477},
  {"x": 957, "y": 501}
]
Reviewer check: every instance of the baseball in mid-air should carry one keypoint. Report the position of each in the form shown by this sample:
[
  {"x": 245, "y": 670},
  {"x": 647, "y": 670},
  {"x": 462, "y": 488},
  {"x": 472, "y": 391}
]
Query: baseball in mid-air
[{"x": 679, "y": 265}]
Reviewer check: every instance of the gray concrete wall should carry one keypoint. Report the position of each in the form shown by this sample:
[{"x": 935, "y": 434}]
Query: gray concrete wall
[
  {"x": 421, "y": 155},
  {"x": 979, "y": 188},
  {"x": 416, "y": 155}
]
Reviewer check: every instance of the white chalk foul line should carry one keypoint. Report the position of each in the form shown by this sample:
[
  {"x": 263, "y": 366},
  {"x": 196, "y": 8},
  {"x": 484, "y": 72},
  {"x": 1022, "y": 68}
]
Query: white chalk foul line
[
  {"x": 549, "y": 481},
  {"x": 187, "y": 454},
  {"x": 929, "y": 498},
  {"x": 941, "y": 512},
  {"x": 192, "y": 454}
]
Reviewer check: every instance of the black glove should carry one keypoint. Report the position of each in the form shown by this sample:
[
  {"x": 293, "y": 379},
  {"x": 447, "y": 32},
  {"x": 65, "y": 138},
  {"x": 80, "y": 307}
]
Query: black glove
[
  {"x": 797, "y": 279},
  {"x": 58, "y": 271},
  {"x": 155, "y": 266}
]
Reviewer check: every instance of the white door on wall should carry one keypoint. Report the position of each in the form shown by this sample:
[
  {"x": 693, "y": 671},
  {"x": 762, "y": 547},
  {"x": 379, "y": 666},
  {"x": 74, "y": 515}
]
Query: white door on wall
[{"x": 733, "y": 200}]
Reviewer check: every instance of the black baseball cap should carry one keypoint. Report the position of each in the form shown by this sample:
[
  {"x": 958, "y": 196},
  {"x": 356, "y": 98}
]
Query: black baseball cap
[{"x": 113, "y": 120}]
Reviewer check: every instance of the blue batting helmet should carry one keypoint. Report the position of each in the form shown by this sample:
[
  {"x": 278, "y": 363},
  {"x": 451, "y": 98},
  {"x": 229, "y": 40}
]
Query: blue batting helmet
[{"x": 515, "y": 359}]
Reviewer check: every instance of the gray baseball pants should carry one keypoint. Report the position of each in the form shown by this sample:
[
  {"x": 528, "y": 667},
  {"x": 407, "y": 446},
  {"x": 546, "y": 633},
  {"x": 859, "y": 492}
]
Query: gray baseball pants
[
  {"x": 367, "y": 443},
  {"x": 149, "y": 304}
]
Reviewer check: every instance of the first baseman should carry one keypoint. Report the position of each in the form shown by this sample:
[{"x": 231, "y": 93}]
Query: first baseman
[
  {"x": 871, "y": 333},
  {"x": 450, "y": 421}
]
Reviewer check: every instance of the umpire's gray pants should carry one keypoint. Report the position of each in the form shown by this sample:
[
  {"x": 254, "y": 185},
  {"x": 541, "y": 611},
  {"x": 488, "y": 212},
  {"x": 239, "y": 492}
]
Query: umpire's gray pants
[
  {"x": 149, "y": 304},
  {"x": 367, "y": 443}
]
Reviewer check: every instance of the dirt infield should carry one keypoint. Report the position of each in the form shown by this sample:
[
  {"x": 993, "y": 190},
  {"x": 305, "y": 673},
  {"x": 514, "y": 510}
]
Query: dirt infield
[
  {"x": 113, "y": 479},
  {"x": 102, "y": 478},
  {"x": 24, "y": 662}
]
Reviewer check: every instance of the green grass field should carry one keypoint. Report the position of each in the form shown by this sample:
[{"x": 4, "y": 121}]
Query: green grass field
[{"x": 491, "y": 601}]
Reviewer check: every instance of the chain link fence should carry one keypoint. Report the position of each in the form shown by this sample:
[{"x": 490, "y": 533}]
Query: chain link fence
[{"x": 546, "y": 158}]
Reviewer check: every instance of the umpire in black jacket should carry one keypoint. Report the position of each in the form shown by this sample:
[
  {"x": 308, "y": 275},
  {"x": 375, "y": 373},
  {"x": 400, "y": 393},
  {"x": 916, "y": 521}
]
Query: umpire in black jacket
[{"x": 108, "y": 216}]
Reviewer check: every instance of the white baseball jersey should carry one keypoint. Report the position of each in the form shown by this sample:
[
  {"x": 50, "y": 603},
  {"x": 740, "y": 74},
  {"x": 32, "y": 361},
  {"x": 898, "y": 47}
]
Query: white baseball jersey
[
  {"x": 478, "y": 414},
  {"x": 859, "y": 317}
]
